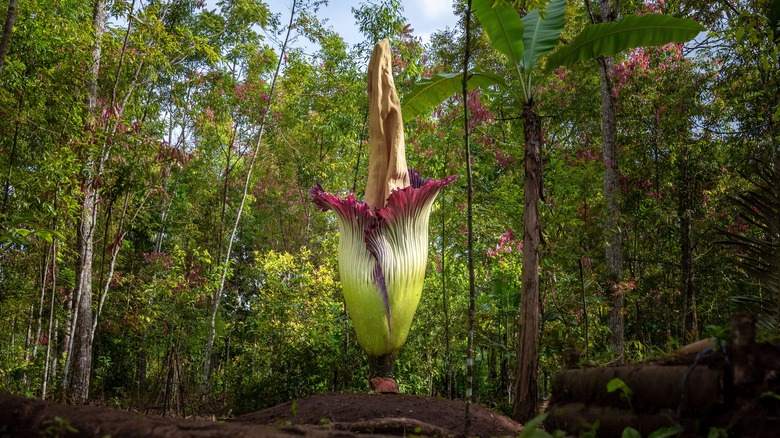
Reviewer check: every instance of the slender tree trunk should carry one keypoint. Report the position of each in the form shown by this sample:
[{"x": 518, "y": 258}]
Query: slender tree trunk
[
  {"x": 78, "y": 385},
  {"x": 613, "y": 252},
  {"x": 39, "y": 322},
  {"x": 28, "y": 336},
  {"x": 46, "y": 365},
  {"x": 12, "y": 158},
  {"x": 112, "y": 264},
  {"x": 470, "y": 224},
  {"x": 8, "y": 28},
  {"x": 686, "y": 248},
  {"x": 614, "y": 247},
  {"x": 526, "y": 395},
  {"x": 446, "y": 311},
  {"x": 67, "y": 341},
  {"x": 81, "y": 350}
]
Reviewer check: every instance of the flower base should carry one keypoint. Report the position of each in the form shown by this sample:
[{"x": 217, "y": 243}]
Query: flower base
[
  {"x": 381, "y": 366},
  {"x": 383, "y": 385}
]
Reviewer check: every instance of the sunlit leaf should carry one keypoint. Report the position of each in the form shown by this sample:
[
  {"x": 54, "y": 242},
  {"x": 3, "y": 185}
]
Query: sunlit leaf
[
  {"x": 609, "y": 39},
  {"x": 431, "y": 92},
  {"x": 503, "y": 26},
  {"x": 541, "y": 35}
]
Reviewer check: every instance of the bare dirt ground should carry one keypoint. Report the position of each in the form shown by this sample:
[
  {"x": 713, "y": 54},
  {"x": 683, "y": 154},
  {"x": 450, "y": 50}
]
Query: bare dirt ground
[{"x": 323, "y": 415}]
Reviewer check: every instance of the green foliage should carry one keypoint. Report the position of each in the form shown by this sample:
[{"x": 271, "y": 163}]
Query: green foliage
[
  {"x": 630, "y": 432},
  {"x": 58, "y": 427},
  {"x": 758, "y": 251},
  {"x": 431, "y": 92},
  {"x": 192, "y": 83},
  {"x": 716, "y": 432},
  {"x": 504, "y": 27},
  {"x": 378, "y": 20},
  {"x": 542, "y": 32},
  {"x": 609, "y": 39},
  {"x": 531, "y": 429},
  {"x": 665, "y": 432},
  {"x": 617, "y": 384}
]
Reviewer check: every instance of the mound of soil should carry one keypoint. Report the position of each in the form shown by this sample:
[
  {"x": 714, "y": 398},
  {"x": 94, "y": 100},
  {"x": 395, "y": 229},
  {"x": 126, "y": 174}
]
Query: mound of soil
[
  {"x": 393, "y": 414},
  {"x": 325, "y": 415}
]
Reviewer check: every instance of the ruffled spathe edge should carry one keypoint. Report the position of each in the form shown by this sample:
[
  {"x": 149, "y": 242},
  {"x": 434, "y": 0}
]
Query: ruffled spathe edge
[{"x": 402, "y": 203}]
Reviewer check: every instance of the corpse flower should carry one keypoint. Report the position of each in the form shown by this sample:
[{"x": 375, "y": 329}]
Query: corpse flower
[{"x": 383, "y": 244}]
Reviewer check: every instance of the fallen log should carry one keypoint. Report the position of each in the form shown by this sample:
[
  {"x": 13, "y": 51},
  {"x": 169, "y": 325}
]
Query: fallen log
[
  {"x": 606, "y": 421},
  {"x": 693, "y": 390},
  {"x": 735, "y": 389}
]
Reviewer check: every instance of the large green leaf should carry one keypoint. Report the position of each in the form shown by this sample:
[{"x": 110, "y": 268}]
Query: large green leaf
[
  {"x": 540, "y": 36},
  {"x": 503, "y": 26},
  {"x": 608, "y": 39},
  {"x": 429, "y": 93}
]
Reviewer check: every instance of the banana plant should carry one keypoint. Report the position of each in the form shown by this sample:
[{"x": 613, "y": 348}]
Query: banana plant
[
  {"x": 524, "y": 41},
  {"x": 383, "y": 242}
]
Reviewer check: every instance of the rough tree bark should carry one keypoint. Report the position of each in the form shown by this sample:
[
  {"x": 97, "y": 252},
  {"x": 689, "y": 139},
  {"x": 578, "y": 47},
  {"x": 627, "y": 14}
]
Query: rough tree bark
[
  {"x": 81, "y": 356},
  {"x": 613, "y": 255},
  {"x": 526, "y": 396},
  {"x": 8, "y": 28}
]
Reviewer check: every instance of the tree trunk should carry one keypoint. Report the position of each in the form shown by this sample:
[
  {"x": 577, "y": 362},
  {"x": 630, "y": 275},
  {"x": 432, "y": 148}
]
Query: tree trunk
[
  {"x": 28, "y": 336},
  {"x": 8, "y": 28},
  {"x": 448, "y": 392},
  {"x": 614, "y": 250},
  {"x": 527, "y": 361},
  {"x": 42, "y": 302},
  {"x": 81, "y": 356},
  {"x": 12, "y": 158},
  {"x": 78, "y": 385},
  {"x": 67, "y": 342},
  {"x": 470, "y": 225},
  {"x": 613, "y": 257},
  {"x": 112, "y": 265},
  {"x": 686, "y": 248},
  {"x": 46, "y": 365}
]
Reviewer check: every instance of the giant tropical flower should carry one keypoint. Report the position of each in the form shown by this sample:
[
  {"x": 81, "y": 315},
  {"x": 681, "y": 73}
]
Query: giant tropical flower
[{"x": 383, "y": 248}]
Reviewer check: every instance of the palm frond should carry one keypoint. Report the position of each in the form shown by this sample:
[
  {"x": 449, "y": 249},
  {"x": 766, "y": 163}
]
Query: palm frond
[
  {"x": 757, "y": 249},
  {"x": 760, "y": 306}
]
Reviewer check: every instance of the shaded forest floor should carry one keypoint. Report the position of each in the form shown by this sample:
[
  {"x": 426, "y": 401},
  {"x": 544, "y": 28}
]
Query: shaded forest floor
[
  {"x": 323, "y": 415},
  {"x": 711, "y": 388}
]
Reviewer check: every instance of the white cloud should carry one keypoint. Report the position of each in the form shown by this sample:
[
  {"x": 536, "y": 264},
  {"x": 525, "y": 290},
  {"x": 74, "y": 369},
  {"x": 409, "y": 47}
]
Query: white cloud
[{"x": 432, "y": 10}]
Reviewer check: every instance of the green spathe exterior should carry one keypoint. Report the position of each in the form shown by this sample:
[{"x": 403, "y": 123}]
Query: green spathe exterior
[{"x": 382, "y": 259}]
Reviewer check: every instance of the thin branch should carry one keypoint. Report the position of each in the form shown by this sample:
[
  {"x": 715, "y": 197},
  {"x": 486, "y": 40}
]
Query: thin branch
[
  {"x": 122, "y": 56},
  {"x": 218, "y": 294},
  {"x": 590, "y": 11}
]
